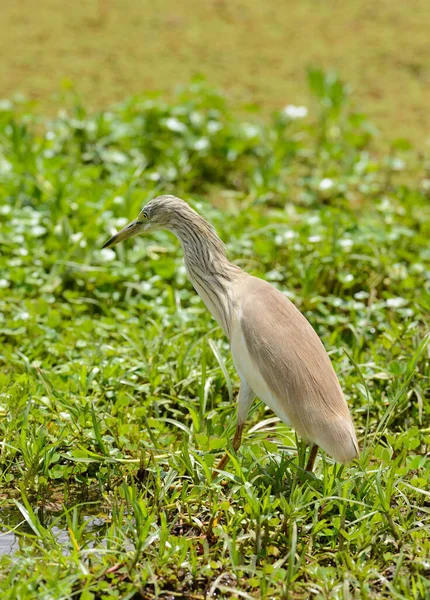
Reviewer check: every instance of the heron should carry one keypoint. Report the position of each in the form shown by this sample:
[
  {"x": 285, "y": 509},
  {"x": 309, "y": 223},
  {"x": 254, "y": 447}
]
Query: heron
[{"x": 277, "y": 354}]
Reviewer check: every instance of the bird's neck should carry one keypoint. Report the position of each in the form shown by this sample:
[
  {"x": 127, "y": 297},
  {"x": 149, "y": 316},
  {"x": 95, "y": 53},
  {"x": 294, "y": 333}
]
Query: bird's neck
[{"x": 209, "y": 269}]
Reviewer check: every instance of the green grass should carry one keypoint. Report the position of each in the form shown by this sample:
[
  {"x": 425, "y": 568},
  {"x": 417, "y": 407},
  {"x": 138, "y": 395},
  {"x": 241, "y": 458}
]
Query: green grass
[{"x": 116, "y": 386}]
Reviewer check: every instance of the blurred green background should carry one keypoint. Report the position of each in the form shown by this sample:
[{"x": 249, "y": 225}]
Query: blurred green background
[
  {"x": 256, "y": 51},
  {"x": 117, "y": 388}
]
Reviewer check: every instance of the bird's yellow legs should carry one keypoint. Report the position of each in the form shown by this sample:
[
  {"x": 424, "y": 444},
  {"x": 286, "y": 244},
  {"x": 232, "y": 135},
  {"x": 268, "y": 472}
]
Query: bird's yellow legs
[
  {"x": 236, "y": 445},
  {"x": 244, "y": 401},
  {"x": 311, "y": 460}
]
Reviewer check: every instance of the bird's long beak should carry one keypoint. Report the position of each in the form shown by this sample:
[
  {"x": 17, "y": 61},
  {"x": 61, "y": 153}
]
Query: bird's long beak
[{"x": 129, "y": 231}]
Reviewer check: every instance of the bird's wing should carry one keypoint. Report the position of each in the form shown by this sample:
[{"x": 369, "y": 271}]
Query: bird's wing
[{"x": 288, "y": 354}]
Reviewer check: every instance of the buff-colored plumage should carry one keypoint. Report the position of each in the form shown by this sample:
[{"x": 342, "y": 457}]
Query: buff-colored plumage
[
  {"x": 277, "y": 354},
  {"x": 281, "y": 348}
]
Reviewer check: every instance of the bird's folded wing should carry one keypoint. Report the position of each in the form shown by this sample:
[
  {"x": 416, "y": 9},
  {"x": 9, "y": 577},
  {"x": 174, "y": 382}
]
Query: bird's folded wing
[{"x": 295, "y": 366}]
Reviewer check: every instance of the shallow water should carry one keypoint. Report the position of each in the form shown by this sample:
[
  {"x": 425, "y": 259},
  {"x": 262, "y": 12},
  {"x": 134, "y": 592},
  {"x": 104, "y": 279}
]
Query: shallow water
[{"x": 16, "y": 533}]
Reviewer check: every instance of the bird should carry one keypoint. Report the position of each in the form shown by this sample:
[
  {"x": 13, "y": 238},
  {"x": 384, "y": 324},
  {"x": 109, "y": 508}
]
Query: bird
[{"x": 278, "y": 356}]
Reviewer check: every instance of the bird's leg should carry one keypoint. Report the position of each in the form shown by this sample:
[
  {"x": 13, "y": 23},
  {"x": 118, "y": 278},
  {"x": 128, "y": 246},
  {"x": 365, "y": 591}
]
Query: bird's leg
[
  {"x": 244, "y": 401},
  {"x": 237, "y": 440},
  {"x": 236, "y": 445},
  {"x": 311, "y": 460}
]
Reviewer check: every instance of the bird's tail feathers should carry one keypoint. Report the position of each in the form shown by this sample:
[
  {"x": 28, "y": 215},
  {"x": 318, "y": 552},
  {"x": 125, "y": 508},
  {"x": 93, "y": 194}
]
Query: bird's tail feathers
[{"x": 339, "y": 440}]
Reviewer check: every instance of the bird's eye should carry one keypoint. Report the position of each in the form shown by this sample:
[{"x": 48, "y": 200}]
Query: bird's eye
[{"x": 145, "y": 215}]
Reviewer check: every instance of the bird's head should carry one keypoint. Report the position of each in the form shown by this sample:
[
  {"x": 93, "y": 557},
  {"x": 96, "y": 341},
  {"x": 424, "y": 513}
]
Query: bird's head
[{"x": 163, "y": 212}]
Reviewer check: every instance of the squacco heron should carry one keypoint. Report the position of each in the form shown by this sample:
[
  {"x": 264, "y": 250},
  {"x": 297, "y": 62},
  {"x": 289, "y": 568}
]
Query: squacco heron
[{"x": 277, "y": 354}]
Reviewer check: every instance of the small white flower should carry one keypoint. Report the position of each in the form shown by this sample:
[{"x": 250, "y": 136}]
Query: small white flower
[
  {"x": 115, "y": 156},
  {"x": 75, "y": 237},
  {"x": 289, "y": 234},
  {"x": 38, "y": 230},
  {"x": 358, "y": 306},
  {"x": 396, "y": 302},
  {"x": 15, "y": 262},
  {"x": 346, "y": 243},
  {"x": 175, "y": 125},
  {"x": 295, "y": 112},
  {"x": 250, "y": 130},
  {"x": 5, "y": 105},
  {"x": 214, "y": 126},
  {"x": 326, "y": 184},
  {"x": 120, "y": 222},
  {"x": 4, "y": 283},
  {"x": 398, "y": 164},
  {"x": 201, "y": 144},
  {"x": 384, "y": 205},
  {"x": 5, "y": 166},
  {"x": 22, "y": 316},
  {"x": 107, "y": 255},
  {"x": 314, "y": 239},
  {"x": 361, "y": 295},
  {"x": 285, "y": 236}
]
